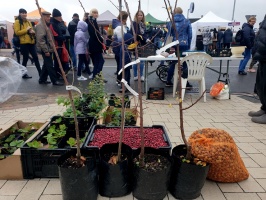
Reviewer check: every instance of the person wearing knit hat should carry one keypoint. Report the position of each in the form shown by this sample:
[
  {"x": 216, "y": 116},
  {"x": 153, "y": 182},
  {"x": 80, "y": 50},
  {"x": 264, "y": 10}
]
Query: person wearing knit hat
[
  {"x": 22, "y": 10},
  {"x": 56, "y": 13},
  {"x": 44, "y": 46},
  {"x": 23, "y": 29},
  {"x": 59, "y": 30}
]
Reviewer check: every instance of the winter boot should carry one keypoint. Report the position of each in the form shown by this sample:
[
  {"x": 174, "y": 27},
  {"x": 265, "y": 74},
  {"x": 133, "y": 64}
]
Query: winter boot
[
  {"x": 256, "y": 113},
  {"x": 260, "y": 120}
]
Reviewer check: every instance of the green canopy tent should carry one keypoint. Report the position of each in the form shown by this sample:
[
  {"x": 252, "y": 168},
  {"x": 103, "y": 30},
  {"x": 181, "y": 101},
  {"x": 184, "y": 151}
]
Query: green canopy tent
[{"x": 153, "y": 20}]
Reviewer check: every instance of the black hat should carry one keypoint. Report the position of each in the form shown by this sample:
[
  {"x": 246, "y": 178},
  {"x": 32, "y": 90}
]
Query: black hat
[
  {"x": 22, "y": 10},
  {"x": 75, "y": 15},
  {"x": 56, "y": 13}
]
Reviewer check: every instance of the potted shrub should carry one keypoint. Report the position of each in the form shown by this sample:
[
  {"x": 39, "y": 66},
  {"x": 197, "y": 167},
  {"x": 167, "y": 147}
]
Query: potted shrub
[
  {"x": 75, "y": 168},
  {"x": 188, "y": 173},
  {"x": 151, "y": 165}
]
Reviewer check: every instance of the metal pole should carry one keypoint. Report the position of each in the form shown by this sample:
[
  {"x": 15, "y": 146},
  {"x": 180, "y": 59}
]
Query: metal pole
[
  {"x": 233, "y": 16},
  {"x": 188, "y": 12}
]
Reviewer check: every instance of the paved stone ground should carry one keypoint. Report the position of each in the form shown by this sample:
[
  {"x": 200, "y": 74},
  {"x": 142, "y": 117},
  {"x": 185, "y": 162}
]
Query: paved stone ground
[{"x": 230, "y": 115}]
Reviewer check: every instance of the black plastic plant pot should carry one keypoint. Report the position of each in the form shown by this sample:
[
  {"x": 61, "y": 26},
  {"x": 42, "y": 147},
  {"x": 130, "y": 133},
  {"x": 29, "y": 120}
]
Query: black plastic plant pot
[
  {"x": 151, "y": 185},
  {"x": 187, "y": 179},
  {"x": 81, "y": 183},
  {"x": 115, "y": 179}
]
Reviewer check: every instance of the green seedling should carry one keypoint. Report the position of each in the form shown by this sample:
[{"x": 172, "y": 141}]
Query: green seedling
[
  {"x": 10, "y": 138},
  {"x": 16, "y": 143},
  {"x": 71, "y": 141},
  {"x": 35, "y": 144}
]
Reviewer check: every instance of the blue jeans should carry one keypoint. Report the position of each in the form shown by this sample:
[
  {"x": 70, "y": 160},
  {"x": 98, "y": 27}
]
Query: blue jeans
[
  {"x": 243, "y": 63},
  {"x": 73, "y": 56},
  {"x": 135, "y": 69}
]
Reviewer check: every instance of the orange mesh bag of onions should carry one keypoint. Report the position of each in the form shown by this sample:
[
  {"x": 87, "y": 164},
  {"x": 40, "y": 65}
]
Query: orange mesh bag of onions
[{"x": 218, "y": 148}]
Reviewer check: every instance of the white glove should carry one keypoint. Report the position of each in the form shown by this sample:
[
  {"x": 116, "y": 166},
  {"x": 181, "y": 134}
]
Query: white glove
[{"x": 148, "y": 40}]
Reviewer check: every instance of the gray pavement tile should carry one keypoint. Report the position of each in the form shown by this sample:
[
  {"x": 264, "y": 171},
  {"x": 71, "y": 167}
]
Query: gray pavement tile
[
  {"x": 32, "y": 190},
  {"x": 250, "y": 185},
  {"x": 247, "y": 148},
  {"x": 51, "y": 197},
  {"x": 12, "y": 187},
  {"x": 53, "y": 187},
  {"x": 230, "y": 187},
  {"x": 8, "y": 197},
  {"x": 260, "y": 159},
  {"x": 262, "y": 182},
  {"x": 211, "y": 191},
  {"x": 242, "y": 196},
  {"x": 2, "y": 182},
  {"x": 262, "y": 195},
  {"x": 257, "y": 172},
  {"x": 249, "y": 162}
]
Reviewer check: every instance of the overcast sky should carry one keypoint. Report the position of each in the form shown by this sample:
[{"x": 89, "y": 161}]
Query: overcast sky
[{"x": 222, "y": 8}]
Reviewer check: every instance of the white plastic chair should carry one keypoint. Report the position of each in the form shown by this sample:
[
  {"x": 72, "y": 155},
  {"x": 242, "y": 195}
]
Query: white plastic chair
[{"x": 196, "y": 63}]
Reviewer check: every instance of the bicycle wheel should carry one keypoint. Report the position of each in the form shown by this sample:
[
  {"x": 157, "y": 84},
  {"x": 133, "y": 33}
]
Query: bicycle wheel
[
  {"x": 159, "y": 69},
  {"x": 163, "y": 74}
]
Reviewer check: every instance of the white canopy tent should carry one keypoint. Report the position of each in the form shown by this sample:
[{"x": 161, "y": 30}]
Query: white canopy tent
[
  {"x": 210, "y": 19},
  {"x": 106, "y": 18}
]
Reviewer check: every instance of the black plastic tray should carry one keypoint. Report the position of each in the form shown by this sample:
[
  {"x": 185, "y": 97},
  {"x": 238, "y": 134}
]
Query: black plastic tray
[{"x": 42, "y": 163}]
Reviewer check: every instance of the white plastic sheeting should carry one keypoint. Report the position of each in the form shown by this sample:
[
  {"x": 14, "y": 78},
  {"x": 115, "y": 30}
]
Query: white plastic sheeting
[{"x": 10, "y": 77}]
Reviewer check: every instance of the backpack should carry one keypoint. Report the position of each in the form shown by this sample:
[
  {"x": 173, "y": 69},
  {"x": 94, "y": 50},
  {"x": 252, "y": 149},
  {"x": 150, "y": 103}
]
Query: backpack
[{"x": 239, "y": 36}]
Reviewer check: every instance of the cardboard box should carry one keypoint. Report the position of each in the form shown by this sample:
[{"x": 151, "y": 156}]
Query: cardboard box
[{"x": 11, "y": 167}]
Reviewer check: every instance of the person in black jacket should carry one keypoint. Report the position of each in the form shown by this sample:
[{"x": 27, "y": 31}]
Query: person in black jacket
[
  {"x": 96, "y": 45},
  {"x": 259, "y": 54},
  {"x": 72, "y": 28},
  {"x": 59, "y": 40},
  {"x": 248, "y": 41},
  {"x": 220, "y": 36}
]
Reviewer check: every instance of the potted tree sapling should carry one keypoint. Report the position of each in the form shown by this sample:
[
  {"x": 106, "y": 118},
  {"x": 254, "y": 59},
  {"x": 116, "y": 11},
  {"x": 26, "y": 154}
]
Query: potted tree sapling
[
  {"x": 151, "y": 171},
  {"x": 188, "y": 173},
  {"x": 78, "y": 177},
  {"x": 115, "y": 163}
]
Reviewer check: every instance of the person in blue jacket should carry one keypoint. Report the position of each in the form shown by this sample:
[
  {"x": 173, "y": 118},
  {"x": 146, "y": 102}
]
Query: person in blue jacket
[
  {"x": 184, "y": 30},
  {"x": 248, "y": 41}
]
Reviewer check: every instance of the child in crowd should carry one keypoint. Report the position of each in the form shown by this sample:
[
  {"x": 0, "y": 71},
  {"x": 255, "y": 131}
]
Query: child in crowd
[{"x": 80, "y": 46}]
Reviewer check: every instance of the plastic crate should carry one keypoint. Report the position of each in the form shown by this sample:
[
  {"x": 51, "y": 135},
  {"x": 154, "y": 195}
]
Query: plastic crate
[
  {"x": 166, "y": 149},
  {"x": 42, "y": 163},
  {"x": 156, "y": 94},
  {"x": 147, "y": 50}
]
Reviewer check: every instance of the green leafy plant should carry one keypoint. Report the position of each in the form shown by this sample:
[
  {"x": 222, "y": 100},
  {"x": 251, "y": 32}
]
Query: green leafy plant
[
  {"x": 92, "y": 102},
  {"x": 55, "y": 133},
  {"x": 16, "y": 143},
  {"x": 1, "y": 155},
  {"x": 71, "y": 141},
  {"x": 10, "y": 138},
  {"x": 35, "y": 144},
  {"x": 115, "y": 117}
]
